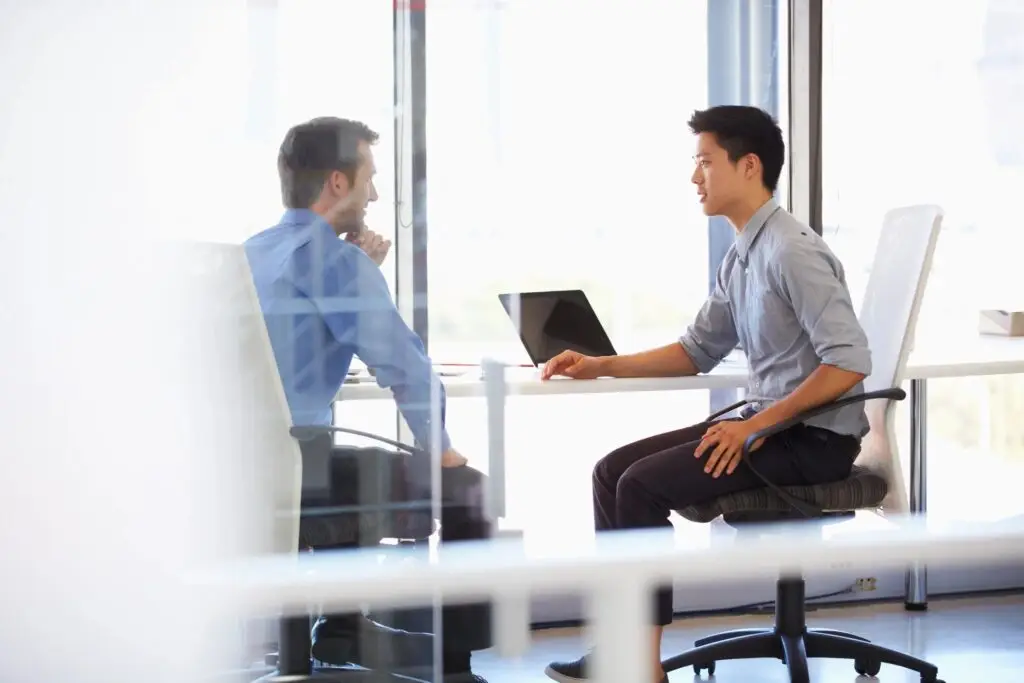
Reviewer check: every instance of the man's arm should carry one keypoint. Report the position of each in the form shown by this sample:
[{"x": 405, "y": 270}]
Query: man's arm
[
  {"x": 357, "y": 307},
  {"x": 807, "y": 279},
  {"x": 670, "y": 360}
]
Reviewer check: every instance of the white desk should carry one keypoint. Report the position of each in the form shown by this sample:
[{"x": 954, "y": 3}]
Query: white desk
[
  {"x": 526, "y": 382},
  {"x": 970, "y": 357},
  {"x": 966, "y": 356}
]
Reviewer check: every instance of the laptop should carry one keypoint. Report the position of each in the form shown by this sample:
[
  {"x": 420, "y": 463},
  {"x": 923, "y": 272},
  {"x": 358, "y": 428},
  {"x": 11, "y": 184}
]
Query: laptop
[{"x": 551, "y": 322}]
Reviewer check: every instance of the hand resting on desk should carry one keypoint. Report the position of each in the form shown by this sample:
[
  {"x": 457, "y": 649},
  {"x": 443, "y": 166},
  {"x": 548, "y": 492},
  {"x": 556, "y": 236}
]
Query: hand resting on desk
[
  {"x": 671, "y": 360},
  {"x": 573, "y": 364}
]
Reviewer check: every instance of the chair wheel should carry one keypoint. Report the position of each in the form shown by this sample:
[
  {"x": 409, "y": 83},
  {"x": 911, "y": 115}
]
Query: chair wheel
[
  {"x": 709, "y": 667},
  {"x": 867, "y": 667}
]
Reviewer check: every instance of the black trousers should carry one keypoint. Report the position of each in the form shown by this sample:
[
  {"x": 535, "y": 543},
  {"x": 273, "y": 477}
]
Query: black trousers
[
  {"x": 385, "y": 494},
  {"x": 637, "y": 486}
]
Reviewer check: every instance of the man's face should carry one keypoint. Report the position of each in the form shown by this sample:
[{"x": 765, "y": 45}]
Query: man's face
[
  {"x": 351, "y": 199},
  {"x": 719, "y": 181}
]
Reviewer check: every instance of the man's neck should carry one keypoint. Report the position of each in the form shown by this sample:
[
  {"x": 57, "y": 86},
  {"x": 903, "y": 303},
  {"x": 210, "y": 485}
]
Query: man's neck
[
  {"x": 322, "y": 210},
  {"x": 745, "y": 209}
]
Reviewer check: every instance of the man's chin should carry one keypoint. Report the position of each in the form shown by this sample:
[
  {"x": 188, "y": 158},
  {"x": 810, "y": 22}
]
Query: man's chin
[{"x": 351, "y": 229}]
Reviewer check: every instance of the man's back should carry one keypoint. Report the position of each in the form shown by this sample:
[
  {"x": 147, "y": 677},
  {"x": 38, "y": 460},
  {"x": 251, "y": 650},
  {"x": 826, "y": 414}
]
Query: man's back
[
  {"x": 285, "y": 261},
  {"x": 324, "y": 302}
]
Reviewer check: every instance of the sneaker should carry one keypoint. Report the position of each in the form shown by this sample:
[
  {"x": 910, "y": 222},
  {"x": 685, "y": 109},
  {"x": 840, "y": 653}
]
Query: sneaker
[
  {"x": 576, "y": 671},
  {"x": 341, "y": 641},
  {"x": 357, "y": 640},
  {"x": 467, "y": 677},
  {"x": 570, "y": 672}
]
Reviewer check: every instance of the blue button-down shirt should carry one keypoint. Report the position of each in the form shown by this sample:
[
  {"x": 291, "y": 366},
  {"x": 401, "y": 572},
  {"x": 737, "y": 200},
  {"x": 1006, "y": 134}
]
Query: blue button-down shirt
[
  {"x": 325, "y": 301},
  {"x": 782, "y": 295}
]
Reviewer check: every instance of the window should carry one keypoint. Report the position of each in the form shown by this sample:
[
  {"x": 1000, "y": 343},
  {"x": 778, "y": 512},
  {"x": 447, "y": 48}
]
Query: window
[
  {"x": 306, "y": 59},
  {"x": 559, "y": 158},
  {"x": 941, "y": 126}
]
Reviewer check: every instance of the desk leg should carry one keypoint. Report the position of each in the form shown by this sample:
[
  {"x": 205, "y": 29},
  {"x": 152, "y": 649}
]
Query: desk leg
[
  {"x": 916, "y": 597},
  {"x": 495, "y": 390}
]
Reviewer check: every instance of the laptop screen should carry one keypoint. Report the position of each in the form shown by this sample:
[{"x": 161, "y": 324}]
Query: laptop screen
[{"x": 551, "y": 322}]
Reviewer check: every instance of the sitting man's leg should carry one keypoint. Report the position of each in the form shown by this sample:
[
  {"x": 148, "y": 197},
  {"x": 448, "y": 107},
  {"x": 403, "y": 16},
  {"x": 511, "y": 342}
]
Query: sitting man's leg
[
  {"x": 465, "y": 628},
  {"x": 372, "y": 477},
  {"x": 367, "y": 478},
  {"x": 637, "y": 486}
]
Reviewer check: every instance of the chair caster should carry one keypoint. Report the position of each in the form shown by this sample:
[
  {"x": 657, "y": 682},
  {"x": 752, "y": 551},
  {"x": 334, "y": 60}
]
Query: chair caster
[
  {"x": 709, "y": 667},
  {"x": 867, "y": 667}
]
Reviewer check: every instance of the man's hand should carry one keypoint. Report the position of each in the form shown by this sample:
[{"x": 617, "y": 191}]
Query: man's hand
[
  {"x": 572, "y": 364},
  {"x": 727, "y": 437},
  {"x": 452, "y": 458},
  {"x": 375, "y": 246}
]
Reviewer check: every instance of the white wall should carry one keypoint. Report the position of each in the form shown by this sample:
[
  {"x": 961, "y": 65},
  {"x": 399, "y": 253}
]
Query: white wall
[{"x": 116, "y": 120}]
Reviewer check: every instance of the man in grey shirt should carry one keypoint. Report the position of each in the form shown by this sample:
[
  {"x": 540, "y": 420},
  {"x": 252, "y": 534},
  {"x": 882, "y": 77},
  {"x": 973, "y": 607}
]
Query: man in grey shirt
[{"x": 781, "y": 294}]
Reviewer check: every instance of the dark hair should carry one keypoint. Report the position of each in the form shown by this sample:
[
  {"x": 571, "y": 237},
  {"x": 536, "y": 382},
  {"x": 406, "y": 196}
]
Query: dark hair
[
  {"x": 740, "y": 131},
  {"x": 312, "y": 150}
]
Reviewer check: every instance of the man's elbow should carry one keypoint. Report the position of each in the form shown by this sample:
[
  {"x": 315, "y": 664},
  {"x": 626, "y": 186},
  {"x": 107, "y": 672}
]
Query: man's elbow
[{"x": 853, "y": 360}]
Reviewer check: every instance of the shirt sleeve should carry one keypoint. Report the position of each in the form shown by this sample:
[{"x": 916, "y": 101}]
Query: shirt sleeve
[
  {"x": 712, "y": 336},
  {"x": 811, "y": 280},
  {"x": 358, "y": 309}
]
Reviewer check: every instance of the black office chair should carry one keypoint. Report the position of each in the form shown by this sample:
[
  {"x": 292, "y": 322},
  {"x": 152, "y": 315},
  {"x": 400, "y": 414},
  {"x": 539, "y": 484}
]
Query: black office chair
[
  {"x": 790, "y": 640},
  {"x": 357, "y": 525}
]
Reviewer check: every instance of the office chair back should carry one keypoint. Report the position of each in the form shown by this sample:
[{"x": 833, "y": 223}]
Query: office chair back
[
  {"x": 252, "y": 404},
  {"x": 889, "y": 311}
]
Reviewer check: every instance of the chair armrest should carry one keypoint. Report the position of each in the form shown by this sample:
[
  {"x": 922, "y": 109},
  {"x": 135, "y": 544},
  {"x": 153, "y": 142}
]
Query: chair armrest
[
  {"x": 893, "y": 394},
  {"x": 307, "y": 433},
  {"x": 803, "y": 507},
  {"x": 726, "y": 410}
]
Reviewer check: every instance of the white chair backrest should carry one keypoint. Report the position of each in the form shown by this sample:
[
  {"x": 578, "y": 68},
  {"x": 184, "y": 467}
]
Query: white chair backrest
[
  {"x": 888, "y": 314},
  {"x": 253, "y": 405}
]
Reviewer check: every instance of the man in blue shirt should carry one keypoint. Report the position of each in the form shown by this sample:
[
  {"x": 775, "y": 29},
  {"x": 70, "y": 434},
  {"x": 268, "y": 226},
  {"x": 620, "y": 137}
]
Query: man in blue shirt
[{"x": 325, "y": 301}]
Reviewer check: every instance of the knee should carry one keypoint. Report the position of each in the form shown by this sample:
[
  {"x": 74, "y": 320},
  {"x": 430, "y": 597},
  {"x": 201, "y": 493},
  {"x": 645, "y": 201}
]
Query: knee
[
  {"x": 630, "y": 483},
  {"x": 463, "y": 510},
  {"x": 639, "y": 483},
  {"x": 465, "y": 486},
  {"x": 605, "y": 473}
]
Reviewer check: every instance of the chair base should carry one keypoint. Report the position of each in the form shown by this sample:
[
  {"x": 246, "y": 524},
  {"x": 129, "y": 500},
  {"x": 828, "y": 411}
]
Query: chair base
[{"x": 793, "y": 643}]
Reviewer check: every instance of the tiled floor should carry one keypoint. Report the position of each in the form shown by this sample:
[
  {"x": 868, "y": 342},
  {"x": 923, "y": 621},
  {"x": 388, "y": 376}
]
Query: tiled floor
[{"x": 971, "y": 640}]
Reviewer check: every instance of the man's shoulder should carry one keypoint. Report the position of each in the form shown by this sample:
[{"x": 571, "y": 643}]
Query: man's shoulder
[{"x": 791, "y": 240}]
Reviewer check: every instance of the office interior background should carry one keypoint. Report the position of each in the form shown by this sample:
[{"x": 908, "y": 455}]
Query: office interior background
[
  {"x": 553, "y": 134},
  {"x": 532, "y": 145}
]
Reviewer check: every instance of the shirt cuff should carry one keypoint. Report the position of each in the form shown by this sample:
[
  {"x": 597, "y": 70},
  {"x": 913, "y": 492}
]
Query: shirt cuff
[
  {"x": 702, "y": 361},
  {"x": 850, "y": 358}
]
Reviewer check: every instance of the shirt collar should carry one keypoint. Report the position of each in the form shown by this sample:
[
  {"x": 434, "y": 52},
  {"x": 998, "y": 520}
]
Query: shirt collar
[{"x": 745, "y": 238}]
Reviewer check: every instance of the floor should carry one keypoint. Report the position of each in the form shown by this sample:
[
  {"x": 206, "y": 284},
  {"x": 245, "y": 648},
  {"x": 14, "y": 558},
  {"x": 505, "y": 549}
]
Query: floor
[{"x": 976, "y": 640}]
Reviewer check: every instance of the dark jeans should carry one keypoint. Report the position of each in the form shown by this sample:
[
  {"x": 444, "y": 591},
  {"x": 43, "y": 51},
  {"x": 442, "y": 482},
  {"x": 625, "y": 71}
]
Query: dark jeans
[
  {"x": 374, "y": 479},
  {"x": 636, "y": 486}
]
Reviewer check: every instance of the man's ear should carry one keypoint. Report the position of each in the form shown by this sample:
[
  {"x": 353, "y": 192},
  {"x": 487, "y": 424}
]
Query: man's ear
[
  {"x": 338, "y": 182},
  {"x": 751, "y": 165}
]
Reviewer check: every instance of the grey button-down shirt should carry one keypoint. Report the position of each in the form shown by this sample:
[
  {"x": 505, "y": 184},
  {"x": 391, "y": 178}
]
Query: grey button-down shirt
[{"x": 781, "y": 295}]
